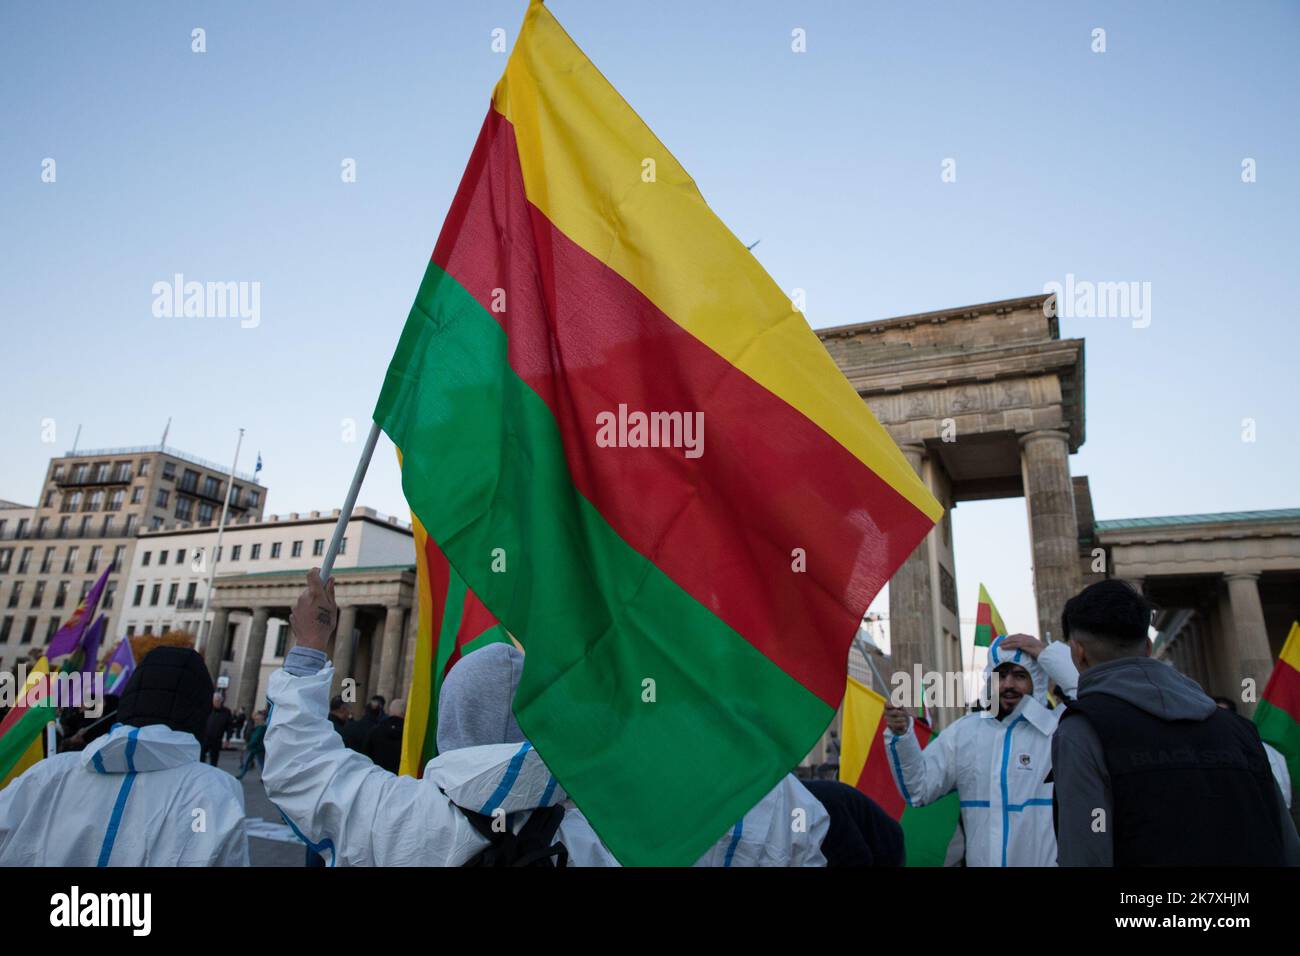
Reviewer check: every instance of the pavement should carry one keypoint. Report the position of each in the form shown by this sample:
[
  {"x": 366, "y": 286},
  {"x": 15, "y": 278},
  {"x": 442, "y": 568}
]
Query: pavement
[{"x": 270, "y": 841}]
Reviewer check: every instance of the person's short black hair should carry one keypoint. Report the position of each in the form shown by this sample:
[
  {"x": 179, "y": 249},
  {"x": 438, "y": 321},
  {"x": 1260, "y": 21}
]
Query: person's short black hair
[
  {"x": 379, "y": 697},
  {"x": 1110, "y": 610},
  {"x": 335, "y": 703}
]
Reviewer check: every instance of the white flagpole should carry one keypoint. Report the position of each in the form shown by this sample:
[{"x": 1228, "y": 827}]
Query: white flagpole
[
  {"x": 350, "y": 502},
  {"x": 204, "y": 625}
]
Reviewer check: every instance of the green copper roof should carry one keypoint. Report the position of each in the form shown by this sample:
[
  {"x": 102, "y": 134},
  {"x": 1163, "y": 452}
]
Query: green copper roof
[{"x": 1223, "y": 517}]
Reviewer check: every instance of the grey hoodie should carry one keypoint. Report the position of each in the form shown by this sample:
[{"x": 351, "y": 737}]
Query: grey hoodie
[
  {"x": 476, "y": 705},
  {"x": 1079, "y": 766}
]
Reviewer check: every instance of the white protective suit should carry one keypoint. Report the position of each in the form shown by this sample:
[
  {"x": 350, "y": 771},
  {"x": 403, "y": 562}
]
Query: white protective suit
[
  {"x": 137, "y": 796},
  {"x": 357, "y": 814},
  {"x": 997, "y": 767}
]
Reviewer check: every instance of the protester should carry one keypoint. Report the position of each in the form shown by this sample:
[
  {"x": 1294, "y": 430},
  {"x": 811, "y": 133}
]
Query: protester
[
  {"x": 997, "y": 760},
  {"x": 357, "y": 813},
  {"x": 357, "y": 732},
  {"x": 1149, "y": 772},
  {"x": 384, "y": 745},
  {"x": 340, "y": 714},
  {"x": 861, "y": 833},
  {"x": 237, "y": 723},
  {"x": 218, "y": 723},
  {"x": 254, "y": 746},
  {"x": 133, "y": 796}
]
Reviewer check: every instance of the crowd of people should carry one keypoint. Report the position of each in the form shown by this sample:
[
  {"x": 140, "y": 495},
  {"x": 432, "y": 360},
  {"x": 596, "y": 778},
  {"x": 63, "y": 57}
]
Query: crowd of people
[{"x": 1091, "y": 753}]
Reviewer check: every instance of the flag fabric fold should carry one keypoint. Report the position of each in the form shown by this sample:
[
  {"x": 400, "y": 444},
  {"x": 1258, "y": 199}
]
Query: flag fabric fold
[
  {"x": 988, "y": 622},
  {"x": 1277, "y": 715},
  {"x": 640, "y": 457},
  {"x": 864, "y": 764},
  {"x": 69, "y": 637}
]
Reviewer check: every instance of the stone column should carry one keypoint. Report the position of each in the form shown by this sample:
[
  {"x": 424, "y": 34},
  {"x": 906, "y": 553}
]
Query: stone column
[
  {"x": 343, "y": 647},
  {"x": 251, "y": 670},
  {"x": 1049, "y": 496},
  {"x": 215, "y": 649},
  {"x": 409, "y": 644},
  {"x": 911, "y": 604},
  {"x": 1249, "y": 651},
  {"x": 371, "y": 682},
  {"x": 390, "y": 654}
]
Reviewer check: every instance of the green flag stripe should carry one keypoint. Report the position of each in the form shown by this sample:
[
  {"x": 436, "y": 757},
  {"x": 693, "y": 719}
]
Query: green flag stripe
[{"x": 484, "y": 468}]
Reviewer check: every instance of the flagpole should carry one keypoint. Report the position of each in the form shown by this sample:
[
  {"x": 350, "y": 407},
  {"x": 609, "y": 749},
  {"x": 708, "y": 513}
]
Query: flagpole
[
  {"x": 350, "y": 502},
  {"x": 204, "y": 626}
]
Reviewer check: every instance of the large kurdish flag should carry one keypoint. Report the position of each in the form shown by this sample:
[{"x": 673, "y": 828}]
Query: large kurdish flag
[
  {"x": 1277, "y": 716},
  {"x": 687, "y": 618},
  {"x": 988, "y": 622},
  {"x": 864, "y": 764},
  {"x": 453, "y": 622}
]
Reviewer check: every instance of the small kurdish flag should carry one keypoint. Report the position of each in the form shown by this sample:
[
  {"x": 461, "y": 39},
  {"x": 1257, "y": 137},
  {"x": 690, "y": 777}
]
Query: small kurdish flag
[
  {"x": 928, "y": 830},
  {"x": 988, "y": 622},
  {"x": 1277, "y": 716}
]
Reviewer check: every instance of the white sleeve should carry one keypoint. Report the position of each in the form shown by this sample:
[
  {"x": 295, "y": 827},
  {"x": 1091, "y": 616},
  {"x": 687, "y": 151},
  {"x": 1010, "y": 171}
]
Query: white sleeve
[
  {"x": 1056, "y": 662},
  {"x": 339, "y": 801},
  {"x": 922, "y": 776},
  {"x": 220, "y": 797}
]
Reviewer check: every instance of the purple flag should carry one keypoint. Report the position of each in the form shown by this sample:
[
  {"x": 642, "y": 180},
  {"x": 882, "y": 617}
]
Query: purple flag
[
  {"x": 94, "y": 638},
  {"x": 117, "y": 671},
  {"x": 68, "y": 638}
]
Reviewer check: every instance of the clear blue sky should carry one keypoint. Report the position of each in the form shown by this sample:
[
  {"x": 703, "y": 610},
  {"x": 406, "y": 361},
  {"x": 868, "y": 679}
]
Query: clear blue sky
[{"x": 224, "y": 166}]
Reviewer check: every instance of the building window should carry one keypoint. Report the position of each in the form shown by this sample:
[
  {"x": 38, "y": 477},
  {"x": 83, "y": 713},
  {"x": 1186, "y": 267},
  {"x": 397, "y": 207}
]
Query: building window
[
  {"x": 49, "y": 498},
  {"x": 101, "y": 471},
  {"x": 184, "y": 508},
  {"x": 22, "y": 528},
  {"x": 142, "y": 469},
  {"x": 85, "y": 589},
  {"x": 109, "y": 590},
  {"x": 6, "y": 626},
  {"x": 85, "y": 526},
  {"x": 156, "y": 524},
  {"x": 116, "y": 499},
  {"x": 95, "y": 502},
  {"x": 296, "y": 550},
  {"x": 343, "y": 545},
  {"x": 92, "y": 565},
  {"x": 72, "y": 502},
  {"x": 163, "y": 497},
  {"x": 212, "y": 487},
  {"x": 171, "y": 594},
  {"x": 78, "y": 474},
  {"x": 119, "y": 552},
  {"x": 205, "y": 512},
  {"x": 282, "y": 640},
  {"x": 47, "y": 561},
  {"x": 131, "y": 522},
  {"x": 130, "y": 630},
  {"x": 189, "y": 593},
  {"x": 234, "y": 496},
  {"x": 58, "y": 472},
  {"x": 25, "y": 561},
  {"x": 137, "y": 495},
  {"x": 122, "y": 472},
  {"x": 29, "y": 630},
  {"x": 106, "y": 530},
  {"x": 6, "y": 558},
  {"x": 16, "y": 594},
  {"x": 162, "y": 557},
  {"x": 139, "y": 595},
  {"x": 169, "y": 470},
  {"x": 38, "y": 594},
  {"x": 144, "y": 561},
  {"x": 234, "y": 551},
  {"x": 318, "y": 547},
  {"x": 61, "y": 594},
  {"x": 253, "y": 498},
  {"x": 154, "y": 595},
  {"x": 275, "y": 549},
  {"x": 40, "y": 527},
  {"x": 217, "y": 557},
  {"x": 63, "y": 527},
  {"x": 189, "y": 481},
  {"x": 52, "y": 629},
  {"x": 148, "y": 628},
  {"x": 255, "y": 552}
]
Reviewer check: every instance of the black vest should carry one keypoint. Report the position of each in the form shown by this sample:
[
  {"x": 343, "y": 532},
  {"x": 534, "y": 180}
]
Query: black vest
[{"x": 1185, "y": 792}]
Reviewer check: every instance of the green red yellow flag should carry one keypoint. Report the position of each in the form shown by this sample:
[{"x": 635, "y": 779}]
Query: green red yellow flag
[
  {"x": 452, "y": 623},
  {"x": 1277, "y": 715},
  {"x": 864, "y": 763},
  {"x": 687, "y": 596},
  {"x": 20, "y": 731},
  {"x": 988, "y": 622}
]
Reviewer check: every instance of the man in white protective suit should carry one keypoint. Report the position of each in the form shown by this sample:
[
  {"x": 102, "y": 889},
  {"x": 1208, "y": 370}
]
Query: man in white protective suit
[
  {"x": 137, "y": 796},
  {"x": 357, "y": 814},
  {"x": 997, "y": 760}
]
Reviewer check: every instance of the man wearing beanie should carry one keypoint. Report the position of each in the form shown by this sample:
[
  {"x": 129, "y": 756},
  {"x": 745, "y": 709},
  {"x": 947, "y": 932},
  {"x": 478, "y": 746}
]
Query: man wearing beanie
[{"x": 137, "y": 796}]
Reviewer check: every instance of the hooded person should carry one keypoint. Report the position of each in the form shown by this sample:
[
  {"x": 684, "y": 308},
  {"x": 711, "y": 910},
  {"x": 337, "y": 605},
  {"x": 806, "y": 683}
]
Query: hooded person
[
  {"x": 998, "y": 760},
  {"x": 1178, "y": 780},
  {"x": 357, "y": 814},
  {"x": 132, "y": 796}
]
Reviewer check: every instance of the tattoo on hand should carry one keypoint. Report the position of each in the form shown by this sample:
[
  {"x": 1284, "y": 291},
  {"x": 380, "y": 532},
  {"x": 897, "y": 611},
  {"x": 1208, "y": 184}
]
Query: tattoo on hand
[{"x": 323, "y": 616}]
